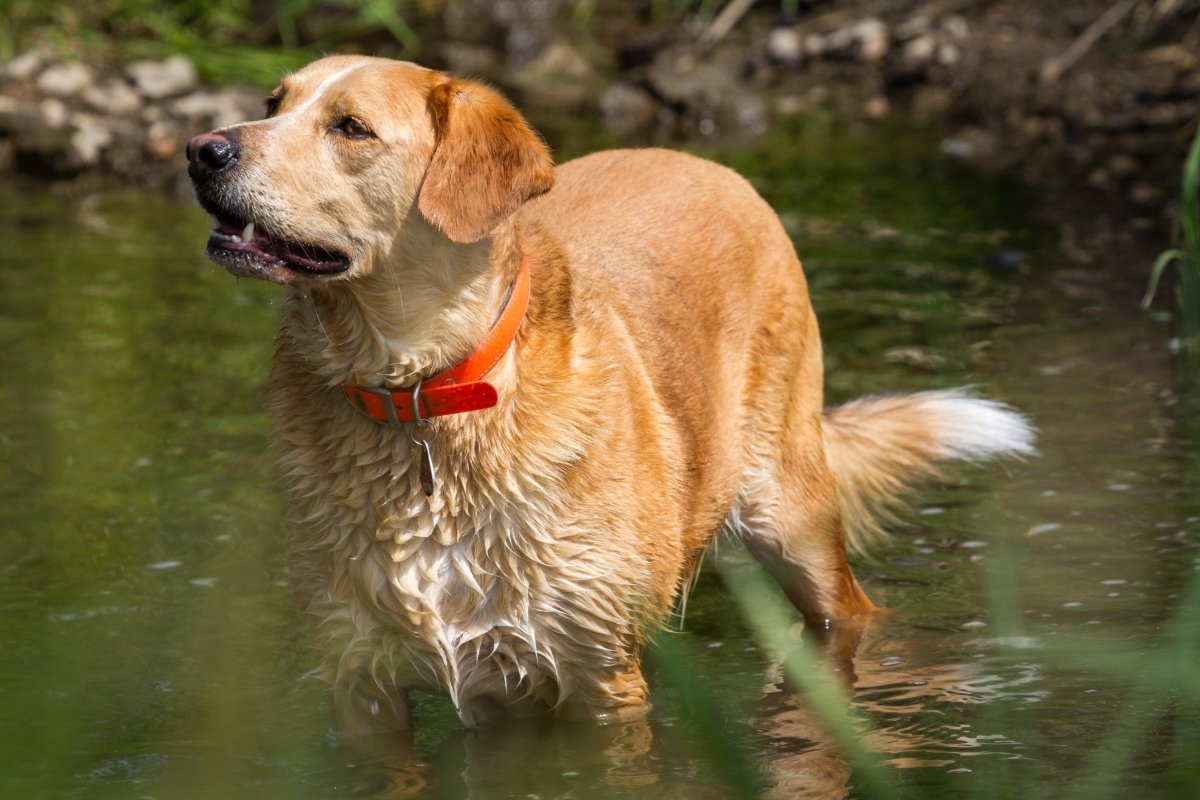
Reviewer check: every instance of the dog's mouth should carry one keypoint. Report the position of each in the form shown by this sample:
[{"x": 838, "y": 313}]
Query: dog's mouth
[{"x": 244, "y": 247}]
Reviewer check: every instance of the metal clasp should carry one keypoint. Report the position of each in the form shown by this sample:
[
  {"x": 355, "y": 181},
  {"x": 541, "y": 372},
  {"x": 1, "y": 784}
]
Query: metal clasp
[{"x": 422, "y": 433}]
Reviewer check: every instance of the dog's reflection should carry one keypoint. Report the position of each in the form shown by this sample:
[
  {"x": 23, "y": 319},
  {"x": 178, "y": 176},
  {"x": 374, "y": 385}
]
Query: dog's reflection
[{"x": 653, "y": 757}]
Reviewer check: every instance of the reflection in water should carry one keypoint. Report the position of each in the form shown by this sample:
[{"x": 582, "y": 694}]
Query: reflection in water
[
  {"x": 149, "y": 646},
  {"x": 921, "y": 715},
  {"x": 559, "y": 758}
]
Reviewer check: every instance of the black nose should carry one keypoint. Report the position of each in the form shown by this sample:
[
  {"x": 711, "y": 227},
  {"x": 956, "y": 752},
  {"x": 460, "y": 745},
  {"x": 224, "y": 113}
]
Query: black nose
[{"x": 209, "y": 154}]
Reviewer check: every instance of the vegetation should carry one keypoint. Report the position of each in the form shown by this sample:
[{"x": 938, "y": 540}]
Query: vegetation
[
  {"x": 254, "y": 40},
  {"x": 227, "y": 39},
  {"x": 1186, "y": 257}
]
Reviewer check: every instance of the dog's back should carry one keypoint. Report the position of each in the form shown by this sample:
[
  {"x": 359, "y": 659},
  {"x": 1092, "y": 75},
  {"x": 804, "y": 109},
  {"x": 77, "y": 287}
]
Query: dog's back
[
  {"x": 684, "y": 256},
  {"x": 697, "y": 267}
]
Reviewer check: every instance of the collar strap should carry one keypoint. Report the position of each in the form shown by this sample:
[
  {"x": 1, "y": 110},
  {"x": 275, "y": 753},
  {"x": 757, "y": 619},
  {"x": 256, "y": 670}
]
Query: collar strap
[{"x": 457, "y": 388}]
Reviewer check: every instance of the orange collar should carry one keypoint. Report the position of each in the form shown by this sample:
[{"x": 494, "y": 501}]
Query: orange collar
[{"x": 457, "y": 388}]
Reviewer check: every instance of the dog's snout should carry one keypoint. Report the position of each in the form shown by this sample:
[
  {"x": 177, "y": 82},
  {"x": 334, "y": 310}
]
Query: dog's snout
[{"x": 211, "y": 153}]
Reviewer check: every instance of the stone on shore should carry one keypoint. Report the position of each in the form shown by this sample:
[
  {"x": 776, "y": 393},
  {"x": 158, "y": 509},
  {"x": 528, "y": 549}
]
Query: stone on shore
[{"x": 158, "y": 80}]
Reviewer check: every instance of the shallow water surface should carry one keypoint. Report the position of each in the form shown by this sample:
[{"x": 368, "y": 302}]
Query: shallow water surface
[{"x": 1041, "y": 625}]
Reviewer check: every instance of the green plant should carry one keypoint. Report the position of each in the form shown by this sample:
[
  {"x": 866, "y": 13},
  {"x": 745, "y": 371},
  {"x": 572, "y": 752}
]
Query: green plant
[
  {"x": 1187, "y": 256},
  {"x": 228, "y": 39}
]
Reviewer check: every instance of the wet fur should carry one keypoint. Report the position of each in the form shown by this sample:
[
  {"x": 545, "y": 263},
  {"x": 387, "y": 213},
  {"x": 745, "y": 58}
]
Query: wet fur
[{"x": 666, "y": 383}]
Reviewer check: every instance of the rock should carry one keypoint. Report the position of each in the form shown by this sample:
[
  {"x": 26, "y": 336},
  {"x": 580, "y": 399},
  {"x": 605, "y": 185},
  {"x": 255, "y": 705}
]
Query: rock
[
  {"x": 65, "y": 80},
  {"x": 877, "y": 107},
  {"x": 917, "y": 53},
  {"x": 47, "y": 138},
  {"x": 785, "y": 46},
  {"x": 955, "y": 27},
  {"x": 948, "y": 54},
  {"x": 1003, "y": 258},
  {"x": 872, "y": 37},
  {"x": 164, "y": 140},
  {"x": 157, "y": 80},
  {"x": 564, "y": 60},
  {"x": 915, "y": 356},
  {"x": 708, "y": 93},
  {"x": 956, "y": 148},
  {"x": 560, "y": 77},
  {"x": 530, "y": 26},
  {"x": 1122, "y": 165},
  {"x": 90, "y": 137},
  {"x": 471, "y": 61},
  {"x": 912, "y": 27},
  {"x": 53, "y": 113},
  {"x": 1144, "y": 194},
  {"x": 751, "y": 114},
  {"x": 865, "y": 40},
  {"x": 25, "y": 66},
  {"x": 153, "y": 112},
  {"x": 113, "y": 97},
  {"x": 1101, "y": 179},
  {"x": 206, "y": 110},
  {"x": 9, "y": 106},
  {"x": 628, "y": 110}
]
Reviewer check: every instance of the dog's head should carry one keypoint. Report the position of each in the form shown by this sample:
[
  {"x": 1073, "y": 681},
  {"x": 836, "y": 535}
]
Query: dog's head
[{"x": 350, "y": 148}]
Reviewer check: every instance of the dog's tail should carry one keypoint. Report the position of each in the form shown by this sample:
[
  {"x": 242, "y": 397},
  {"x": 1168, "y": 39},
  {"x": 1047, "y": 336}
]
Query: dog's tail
[{"x": 879, "y": 446}]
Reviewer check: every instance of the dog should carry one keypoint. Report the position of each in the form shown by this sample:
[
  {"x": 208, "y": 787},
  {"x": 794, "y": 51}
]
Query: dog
[{"x": 517, "y": 401}]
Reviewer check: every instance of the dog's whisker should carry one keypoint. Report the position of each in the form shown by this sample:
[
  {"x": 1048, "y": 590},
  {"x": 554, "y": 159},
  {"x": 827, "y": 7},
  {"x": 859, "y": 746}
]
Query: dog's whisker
[
  {"x": 320, "y": 323},
  {"x": 400, "y": 298}
]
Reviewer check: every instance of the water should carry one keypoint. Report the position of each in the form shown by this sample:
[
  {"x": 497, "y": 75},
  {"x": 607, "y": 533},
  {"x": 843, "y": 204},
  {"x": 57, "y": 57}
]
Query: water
[{"x": 149, "y": 646}]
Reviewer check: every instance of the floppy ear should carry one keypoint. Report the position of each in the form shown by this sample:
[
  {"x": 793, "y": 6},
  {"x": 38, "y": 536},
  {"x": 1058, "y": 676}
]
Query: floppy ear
[{"x": 486, "y": 163}]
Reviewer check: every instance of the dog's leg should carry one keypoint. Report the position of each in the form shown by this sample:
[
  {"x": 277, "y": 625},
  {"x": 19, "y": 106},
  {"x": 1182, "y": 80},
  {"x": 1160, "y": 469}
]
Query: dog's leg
[
  {"x": 611, "y": 696},
  {"x": 789, "y": 518},
  {"x": 363, "y": 708},
  {"x": 375, "y": 724},
  {"x": 625, "y": 697}
]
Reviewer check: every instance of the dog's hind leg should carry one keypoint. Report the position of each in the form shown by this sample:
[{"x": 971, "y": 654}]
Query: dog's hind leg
[{"x": 789, "y": 518}]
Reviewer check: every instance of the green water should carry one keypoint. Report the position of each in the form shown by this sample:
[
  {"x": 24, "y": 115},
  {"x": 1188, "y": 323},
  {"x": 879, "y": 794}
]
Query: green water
[{"x": 1041, "y": 639}]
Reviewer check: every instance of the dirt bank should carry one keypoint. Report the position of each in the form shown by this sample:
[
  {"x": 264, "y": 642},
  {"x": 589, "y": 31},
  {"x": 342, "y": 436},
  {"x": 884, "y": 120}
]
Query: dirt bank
[{"x": 1095, "y": 102}]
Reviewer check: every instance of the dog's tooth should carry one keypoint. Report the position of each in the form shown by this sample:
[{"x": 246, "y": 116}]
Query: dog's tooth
[{"x": 248, "y": 232}]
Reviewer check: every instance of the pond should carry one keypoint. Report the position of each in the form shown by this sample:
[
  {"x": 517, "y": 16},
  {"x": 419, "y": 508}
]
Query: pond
[{"x": 1041, "y": 635}]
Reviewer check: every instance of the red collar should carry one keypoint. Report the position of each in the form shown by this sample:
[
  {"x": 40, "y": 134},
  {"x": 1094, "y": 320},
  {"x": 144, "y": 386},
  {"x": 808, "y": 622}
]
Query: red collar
[{"x": 457, "y": 388}]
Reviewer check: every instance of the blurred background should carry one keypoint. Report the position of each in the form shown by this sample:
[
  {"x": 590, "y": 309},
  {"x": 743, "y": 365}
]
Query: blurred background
[{"x": 982, "y": 192}]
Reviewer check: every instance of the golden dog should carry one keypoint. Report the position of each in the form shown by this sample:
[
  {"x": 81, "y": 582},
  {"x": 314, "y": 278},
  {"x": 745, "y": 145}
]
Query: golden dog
[{"x": 516, "y": 401}]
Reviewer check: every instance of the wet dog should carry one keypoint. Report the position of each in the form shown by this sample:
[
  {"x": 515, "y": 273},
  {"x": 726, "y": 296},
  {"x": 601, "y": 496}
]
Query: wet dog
[{"x": 516, "y": 402}]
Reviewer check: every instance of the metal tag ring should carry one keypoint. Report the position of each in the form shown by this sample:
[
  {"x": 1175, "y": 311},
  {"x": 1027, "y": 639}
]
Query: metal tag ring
[{"x": 423, "y": 431}]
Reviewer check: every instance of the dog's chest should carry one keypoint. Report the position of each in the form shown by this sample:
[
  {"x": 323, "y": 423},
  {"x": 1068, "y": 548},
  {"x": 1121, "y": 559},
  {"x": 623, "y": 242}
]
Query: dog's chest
[
  {"x": 475, "y": 589},
  {"x": 484, "y": 590}
]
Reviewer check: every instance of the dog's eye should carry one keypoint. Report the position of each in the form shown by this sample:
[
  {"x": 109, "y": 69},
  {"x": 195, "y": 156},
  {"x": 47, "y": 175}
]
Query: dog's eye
[
  {"x": 272, "y": 102},
  {"x": 352, "y": 128}
]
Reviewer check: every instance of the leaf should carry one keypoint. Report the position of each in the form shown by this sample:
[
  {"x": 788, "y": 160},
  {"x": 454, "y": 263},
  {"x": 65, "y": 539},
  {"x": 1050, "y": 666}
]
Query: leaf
[{"x": 1164, "y": 259}]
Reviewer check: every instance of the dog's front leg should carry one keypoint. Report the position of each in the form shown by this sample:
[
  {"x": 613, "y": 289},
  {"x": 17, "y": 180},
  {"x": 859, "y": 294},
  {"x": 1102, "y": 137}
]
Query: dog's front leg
[
  {"x": 361, "y": 707},
  {"x": 375, "y": 724}
]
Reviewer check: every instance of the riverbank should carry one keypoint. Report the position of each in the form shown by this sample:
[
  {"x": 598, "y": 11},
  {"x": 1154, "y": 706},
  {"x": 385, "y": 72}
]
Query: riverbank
[{"x": 1094, "y": 104}]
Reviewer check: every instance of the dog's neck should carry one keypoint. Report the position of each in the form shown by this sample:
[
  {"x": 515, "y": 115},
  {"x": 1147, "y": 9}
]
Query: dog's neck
[{"x": 422, "y": 308}]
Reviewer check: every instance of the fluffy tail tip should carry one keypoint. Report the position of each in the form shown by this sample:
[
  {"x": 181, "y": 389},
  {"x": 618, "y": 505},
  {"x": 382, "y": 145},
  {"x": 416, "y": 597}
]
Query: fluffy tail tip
[{"x": 969, "y": 427}]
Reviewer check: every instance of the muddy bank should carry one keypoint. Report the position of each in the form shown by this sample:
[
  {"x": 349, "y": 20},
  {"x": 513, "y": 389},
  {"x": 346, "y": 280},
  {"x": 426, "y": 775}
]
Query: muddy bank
[{"x": 1095, "y": 103}]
